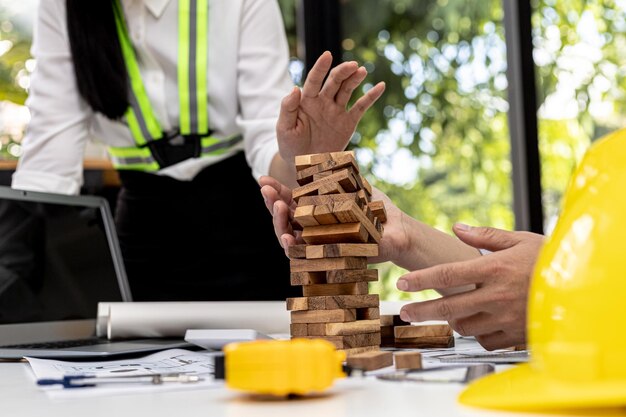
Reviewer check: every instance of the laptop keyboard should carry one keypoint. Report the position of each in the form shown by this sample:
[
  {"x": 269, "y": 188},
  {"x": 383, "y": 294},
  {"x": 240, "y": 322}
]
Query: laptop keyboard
[{"x": 56, "y": 345}]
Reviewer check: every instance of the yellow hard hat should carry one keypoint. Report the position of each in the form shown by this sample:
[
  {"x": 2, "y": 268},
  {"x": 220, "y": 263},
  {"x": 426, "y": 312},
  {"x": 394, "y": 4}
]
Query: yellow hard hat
[{"x": 577, "y": 301}]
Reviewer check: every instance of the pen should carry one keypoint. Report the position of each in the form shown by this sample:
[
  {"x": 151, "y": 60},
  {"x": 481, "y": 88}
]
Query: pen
[{"x": 83, "y": 381}]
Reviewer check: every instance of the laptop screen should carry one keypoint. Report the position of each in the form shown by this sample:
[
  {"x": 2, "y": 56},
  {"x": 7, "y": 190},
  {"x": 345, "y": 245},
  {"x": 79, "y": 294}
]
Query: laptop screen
[{"x": 58, "y": 257}]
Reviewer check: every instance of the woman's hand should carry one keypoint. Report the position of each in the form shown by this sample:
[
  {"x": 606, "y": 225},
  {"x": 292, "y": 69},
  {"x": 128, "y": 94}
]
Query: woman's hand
[{"x": 316, "y": 119}]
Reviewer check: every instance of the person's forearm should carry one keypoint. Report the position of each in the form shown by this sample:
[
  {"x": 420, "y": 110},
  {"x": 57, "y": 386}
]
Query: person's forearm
[
  {"x": 283, "y": 172},
  {"x": 428, "y": 246}
]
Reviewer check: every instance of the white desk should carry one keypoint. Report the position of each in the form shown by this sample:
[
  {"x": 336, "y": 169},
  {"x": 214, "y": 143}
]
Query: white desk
[{"x": 362, "y": 397}]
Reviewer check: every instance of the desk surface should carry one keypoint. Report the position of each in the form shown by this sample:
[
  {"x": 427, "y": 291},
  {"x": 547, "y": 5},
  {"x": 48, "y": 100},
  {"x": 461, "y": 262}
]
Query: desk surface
[{"x": 362, "y": 397}]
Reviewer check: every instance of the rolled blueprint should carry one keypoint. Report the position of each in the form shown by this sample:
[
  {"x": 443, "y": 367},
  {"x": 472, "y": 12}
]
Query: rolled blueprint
[{"x": 120, "y": 320}]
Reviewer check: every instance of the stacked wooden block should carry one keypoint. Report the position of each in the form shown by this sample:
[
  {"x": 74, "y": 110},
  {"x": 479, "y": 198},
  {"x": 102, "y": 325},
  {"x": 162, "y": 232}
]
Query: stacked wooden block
[
  {"x": 400, "y": 334},
  {"x": 342, "y": 227}
]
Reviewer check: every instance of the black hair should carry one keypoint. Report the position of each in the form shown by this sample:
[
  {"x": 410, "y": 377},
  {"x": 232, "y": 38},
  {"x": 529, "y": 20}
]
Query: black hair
[{"x": 97, "y": 55}]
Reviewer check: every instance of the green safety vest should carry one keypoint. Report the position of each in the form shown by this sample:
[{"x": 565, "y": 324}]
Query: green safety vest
[{"x": 192, "y": 91}]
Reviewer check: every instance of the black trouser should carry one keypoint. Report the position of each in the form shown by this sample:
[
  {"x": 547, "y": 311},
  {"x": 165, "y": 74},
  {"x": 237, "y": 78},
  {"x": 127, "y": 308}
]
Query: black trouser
[{"x": 207, "y": 239}]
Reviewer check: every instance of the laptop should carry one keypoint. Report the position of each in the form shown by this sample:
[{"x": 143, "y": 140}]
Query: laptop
[{"x": 60, "y": 257}]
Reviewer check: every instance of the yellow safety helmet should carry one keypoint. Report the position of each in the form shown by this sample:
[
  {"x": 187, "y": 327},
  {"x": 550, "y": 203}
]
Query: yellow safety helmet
[{"x": 577, "y": 301}]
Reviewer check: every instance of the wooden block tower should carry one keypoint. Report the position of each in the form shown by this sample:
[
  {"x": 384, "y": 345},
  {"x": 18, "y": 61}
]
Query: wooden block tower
[{"x": 342, "y": 227}]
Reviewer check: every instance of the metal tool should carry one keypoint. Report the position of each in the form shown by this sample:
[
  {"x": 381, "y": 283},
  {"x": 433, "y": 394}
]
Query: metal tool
[
  {"x": 84, "y": 381},
  {"x": 417, "y": 375}
]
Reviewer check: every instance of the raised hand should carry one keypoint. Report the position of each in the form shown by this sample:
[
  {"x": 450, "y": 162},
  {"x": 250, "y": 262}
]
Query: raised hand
[
  {"x": 317, "y": 119},
  {"x": 495, "y": 311}
]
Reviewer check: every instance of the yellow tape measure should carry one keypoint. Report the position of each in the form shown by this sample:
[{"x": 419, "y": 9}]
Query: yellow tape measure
[{"x": 281, "y": 367}]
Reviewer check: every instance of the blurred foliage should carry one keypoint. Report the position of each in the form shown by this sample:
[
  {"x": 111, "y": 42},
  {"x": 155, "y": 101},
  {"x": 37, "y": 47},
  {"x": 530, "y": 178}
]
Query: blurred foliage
[
  {"x": 437, "y": 142},
  {"x": 15, "y": 42},
  {"x": 580, "y": 51}
]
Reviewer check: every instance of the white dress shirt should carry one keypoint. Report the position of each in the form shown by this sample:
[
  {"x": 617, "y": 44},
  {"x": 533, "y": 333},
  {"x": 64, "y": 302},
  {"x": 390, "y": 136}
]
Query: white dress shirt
[{"x": 246, "y": 80}]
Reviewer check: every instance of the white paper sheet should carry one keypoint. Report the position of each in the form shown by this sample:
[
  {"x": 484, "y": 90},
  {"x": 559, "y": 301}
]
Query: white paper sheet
[
  {"x": 173, "y": 319},
  {"x": 165, "y": 362}
]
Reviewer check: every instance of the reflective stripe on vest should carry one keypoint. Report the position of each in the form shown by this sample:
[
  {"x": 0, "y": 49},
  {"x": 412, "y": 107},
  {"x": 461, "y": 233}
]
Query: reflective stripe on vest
[{"x": 192, "y": 90}]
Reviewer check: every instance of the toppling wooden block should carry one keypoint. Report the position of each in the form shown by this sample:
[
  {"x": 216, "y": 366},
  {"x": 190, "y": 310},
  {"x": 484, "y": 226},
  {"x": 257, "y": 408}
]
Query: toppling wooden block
[
  {"x": 378, "y": 209},
  {"x": 370, "y": 361},
  {"x": 340, "y": 231},
  {"x": 408, "y": 360}
]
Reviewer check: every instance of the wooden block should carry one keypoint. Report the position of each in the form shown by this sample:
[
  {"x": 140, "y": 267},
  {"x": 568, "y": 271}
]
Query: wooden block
[
  {"x": 298, "y": 329},
  {"x": 321, "y": 157},
  {"x": 392, "y": 320},
  {"x": 323, "y": 316},
  {"x": 337, "y": 250},
  {"x": 370, "y": 361},
  {"x": 335, "y": 233},
  {"x": 343, "y": 329},
  {"x": 327, "y": 264},
  {"x": 297, "y": 303},
  {"x": 351, "y": 301},
  {"x": 305, "y": 176},
  {"x": 378, "y": 209},
  {"x": 315, "y": 252},
  {"x": 425, "y": 342},
  {"x": 351, "y": 341},
  {"x": 297, "y": 251},
  {"x": 304, "y": 216},
  {"x": 331, "y": 187},
  {"x": 344, "y": 177},
  {"x": 302, "y": 162},
  {"x": 351, "y": 275},
  {"x": 366, "y": 185},
  {"x": 408, "y": 360},
  {"x": 422, "y": 330},
  {"x": 349, "y": 288},
  {"x": 371, "y": 313},
  {"x": 363, "y": 197},
  {"x": 318, "y": 200},
  {"x": 324, "y": 214},
  {"x": 321, "y": 175},
  {"x": 349, "y": 212},
  {"x": 356, "y": 351},
  {"x": 333, "y": 302},
  {"x": 305, "y": 161},
  {"x": 334, "y": 277},
  {"x": 308, "y": 278}
]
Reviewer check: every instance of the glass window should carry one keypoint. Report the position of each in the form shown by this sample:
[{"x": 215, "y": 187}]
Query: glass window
[
  {"x": 579, "y": 53},
  {"x": 437, "y": 142},
  {"x": 16, "y": 65}
]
